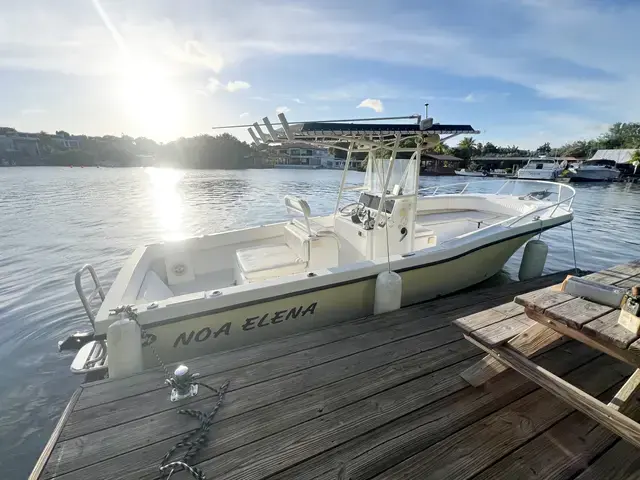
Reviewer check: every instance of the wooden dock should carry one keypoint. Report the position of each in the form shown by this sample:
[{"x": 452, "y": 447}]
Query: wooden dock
[{"x": 379, "y": 397}]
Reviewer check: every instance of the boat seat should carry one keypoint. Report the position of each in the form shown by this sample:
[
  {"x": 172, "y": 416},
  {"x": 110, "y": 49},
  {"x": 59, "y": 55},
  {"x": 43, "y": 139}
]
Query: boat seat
[{"x": 268, "y": 261}]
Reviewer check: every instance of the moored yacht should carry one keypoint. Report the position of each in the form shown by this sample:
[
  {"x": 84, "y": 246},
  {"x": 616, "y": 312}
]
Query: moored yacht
[
  {"x": 540, "y": 169},
  {"x": 599, "y": 170},
  {"x": 240, "y": 287}
]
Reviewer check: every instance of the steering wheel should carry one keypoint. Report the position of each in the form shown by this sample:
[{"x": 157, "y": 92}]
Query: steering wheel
[{"x": 343, "y": 210}]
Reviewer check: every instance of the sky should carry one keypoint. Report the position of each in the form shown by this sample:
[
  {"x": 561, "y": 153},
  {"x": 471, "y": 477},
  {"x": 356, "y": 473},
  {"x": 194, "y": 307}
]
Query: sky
[{"x": 522, "y": 72}]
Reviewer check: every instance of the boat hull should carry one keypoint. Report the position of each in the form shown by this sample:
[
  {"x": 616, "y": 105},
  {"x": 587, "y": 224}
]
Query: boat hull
[
  {"x": 595, "y": 176},
  {"x": 182, "y": 338}
]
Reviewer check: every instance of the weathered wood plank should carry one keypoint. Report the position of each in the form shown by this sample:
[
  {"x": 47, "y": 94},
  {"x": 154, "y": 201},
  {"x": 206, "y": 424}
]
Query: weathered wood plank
[
  {"x": 503, "y": 331},
  {"x": 607, "y": 330},
  {"x": 576, "y": 312},
  {"x": 259, "y": 423},
  {"x": 547, "y": 298},
  {"x": 542, "y": 299},
  {"x": 561, "y": 452},
  {"x": 55, "y": 435},
  {"x": 630, "y": 269},
  {"x": 105, "y": 391},
  {"x": 628, "y": 356},
  {"x": 272, "y": 454},
  {"x": 608, "y": 417},
  {"x": 533, "y": 340},
  {"x": 98, "y": 443},
  {"x": 153, "y": 402},
  {"x": 630, "y": 282},
  {"x": 625, "y": 395},
  {"x": 470, "y": 450},
  {"x": 620, "y": 462},
  {"x": 488, "y": 317},
  {"x": 383, "y": 447}
]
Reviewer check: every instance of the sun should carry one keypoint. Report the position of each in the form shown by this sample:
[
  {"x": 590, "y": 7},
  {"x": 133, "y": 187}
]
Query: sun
[{"x": 151, "y": 100}]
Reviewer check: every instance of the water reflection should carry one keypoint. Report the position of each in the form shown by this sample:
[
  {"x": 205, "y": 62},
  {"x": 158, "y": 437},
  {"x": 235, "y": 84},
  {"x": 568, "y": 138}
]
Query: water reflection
[{"x": 167, "y": 201}]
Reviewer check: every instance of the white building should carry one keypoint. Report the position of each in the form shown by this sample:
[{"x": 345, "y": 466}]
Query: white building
[
  {"x": 303, "y": 155},
  {"x": 66, "y": 142}
]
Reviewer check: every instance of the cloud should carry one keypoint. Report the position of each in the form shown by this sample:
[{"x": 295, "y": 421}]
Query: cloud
[
  {"x": 213, "y": 85},
  {"x": 237, "y": 85},
  {"x": 372, "y": 103},
  {"x": 258, "y": 98},
  {"x": 244, "y": 114},
  {"x": 283, "y": 110},
  {"x": 297, "y": 100}
]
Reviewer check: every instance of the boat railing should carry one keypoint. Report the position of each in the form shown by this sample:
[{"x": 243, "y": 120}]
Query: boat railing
[
  {"x": 564, "y": 193},
  {"x": 97, "y": 290}
]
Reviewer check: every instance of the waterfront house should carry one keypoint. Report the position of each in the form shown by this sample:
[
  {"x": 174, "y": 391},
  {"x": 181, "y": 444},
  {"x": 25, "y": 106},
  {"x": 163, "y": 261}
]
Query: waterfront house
[
  {"x": 435, "y": 164},
  {"x": 17, "y": 144},
  {"x": 65, "y": 142}
]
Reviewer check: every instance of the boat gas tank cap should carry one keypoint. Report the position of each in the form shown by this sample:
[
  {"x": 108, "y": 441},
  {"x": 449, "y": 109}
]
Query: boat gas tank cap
[
  {"x": 213, "y": 293},
  {"x": 153, "y": 305},
  {"x": 537, "y": 217},
  {"x": 311, "y": 274}
]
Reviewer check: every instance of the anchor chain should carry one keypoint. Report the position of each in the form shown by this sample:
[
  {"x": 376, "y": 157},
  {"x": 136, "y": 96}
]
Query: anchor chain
[{"x": 194, "y": 440}]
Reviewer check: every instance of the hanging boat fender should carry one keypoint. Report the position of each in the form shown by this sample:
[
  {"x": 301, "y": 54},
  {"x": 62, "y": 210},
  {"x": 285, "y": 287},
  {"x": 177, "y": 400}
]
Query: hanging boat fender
[
  {"x": 388, "y": 294},
  {"x": 533, "y": 260},
  {"x": 124, "y": 347}
]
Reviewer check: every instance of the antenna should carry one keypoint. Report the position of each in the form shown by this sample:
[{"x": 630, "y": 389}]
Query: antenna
[{"x": 426, "y": 110}]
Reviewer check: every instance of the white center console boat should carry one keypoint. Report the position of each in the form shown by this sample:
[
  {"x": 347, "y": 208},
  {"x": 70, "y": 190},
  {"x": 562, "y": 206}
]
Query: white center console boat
[{"x": 239, "y": 287}]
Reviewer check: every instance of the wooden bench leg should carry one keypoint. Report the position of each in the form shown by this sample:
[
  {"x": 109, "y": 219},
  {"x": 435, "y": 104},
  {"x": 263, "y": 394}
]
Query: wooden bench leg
[
  {"x": 608, "y": 417},
  {"x": 533, "y": 340},
  {"x": 625, "y": 394}
]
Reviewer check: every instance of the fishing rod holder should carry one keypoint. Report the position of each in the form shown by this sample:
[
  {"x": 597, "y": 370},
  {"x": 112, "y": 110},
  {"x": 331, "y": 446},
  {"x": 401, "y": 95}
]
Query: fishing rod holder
[{"x": 183, "y": 384}]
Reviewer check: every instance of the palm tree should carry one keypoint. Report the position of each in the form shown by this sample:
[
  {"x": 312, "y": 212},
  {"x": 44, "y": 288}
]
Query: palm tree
[{"x": 467, "y": 143}]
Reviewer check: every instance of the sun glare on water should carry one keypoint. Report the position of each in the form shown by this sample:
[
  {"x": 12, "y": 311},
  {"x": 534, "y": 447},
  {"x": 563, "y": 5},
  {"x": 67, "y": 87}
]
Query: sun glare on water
[{"x": 167, "y": 201}]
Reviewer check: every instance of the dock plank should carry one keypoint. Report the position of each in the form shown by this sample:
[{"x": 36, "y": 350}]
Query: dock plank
[
  {"x": 98, "y": 442},
  {"x": 476, "y": 447},
  {"x": 382, "y": 448},
  {"x": 620, "y": 462},
  {"x": 153, "y": 402},
  {"x": 561, "y": 452}
]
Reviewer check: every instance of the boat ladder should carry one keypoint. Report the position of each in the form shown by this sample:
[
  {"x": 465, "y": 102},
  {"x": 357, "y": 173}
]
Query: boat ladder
[{"x": 92, "y": 356}]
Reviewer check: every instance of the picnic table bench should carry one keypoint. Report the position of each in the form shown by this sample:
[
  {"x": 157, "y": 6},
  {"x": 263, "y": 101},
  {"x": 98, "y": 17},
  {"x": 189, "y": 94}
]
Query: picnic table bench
[{"x": 538, "y": 320}]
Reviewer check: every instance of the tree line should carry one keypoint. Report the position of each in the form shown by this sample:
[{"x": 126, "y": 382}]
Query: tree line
[
  {"x": 202, "y": 151},
  {"x": 619, "y": 135}
]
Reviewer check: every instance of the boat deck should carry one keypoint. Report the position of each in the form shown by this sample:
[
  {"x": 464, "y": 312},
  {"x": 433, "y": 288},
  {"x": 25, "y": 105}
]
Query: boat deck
[{"x": 379, "y": 397}]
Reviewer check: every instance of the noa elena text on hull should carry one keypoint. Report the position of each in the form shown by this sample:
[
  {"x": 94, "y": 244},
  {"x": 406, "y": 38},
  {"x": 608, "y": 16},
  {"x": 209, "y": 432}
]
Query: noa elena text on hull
[{"x": 250, "y": 323}]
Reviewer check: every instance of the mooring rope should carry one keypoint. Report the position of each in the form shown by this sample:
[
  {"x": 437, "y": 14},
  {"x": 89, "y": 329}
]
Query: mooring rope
[
  {"x": 193, "y": 441},
  {"x": 573, "y": 243}
]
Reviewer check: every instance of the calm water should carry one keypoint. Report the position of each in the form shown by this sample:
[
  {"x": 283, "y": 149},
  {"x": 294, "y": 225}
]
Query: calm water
[{"x": 53, "y": 220}]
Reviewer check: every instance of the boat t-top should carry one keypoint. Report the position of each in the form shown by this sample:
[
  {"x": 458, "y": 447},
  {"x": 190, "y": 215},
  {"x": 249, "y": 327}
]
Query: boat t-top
[{"x": 239, "y": 287}]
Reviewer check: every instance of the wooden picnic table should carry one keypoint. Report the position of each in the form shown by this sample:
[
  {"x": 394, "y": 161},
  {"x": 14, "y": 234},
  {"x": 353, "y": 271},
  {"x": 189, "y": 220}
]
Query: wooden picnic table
[{"x": 546, "y": 317}]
